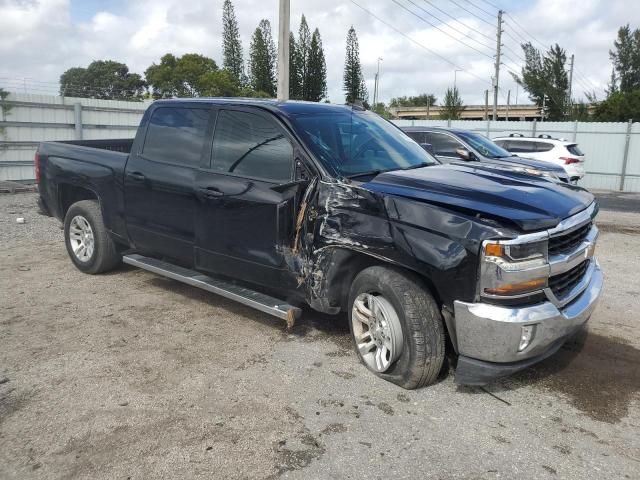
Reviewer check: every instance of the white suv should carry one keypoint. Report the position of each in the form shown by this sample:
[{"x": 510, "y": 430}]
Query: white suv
[{"x": 548, "y": 149}]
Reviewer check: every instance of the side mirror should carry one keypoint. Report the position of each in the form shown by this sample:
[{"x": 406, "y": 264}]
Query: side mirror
[
  {"x": 465, "y": 154},
  {"x": 428, "y": 147}
]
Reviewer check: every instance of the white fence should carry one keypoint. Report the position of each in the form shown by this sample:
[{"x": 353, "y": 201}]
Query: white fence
[
  {"x": 612, "y": 149},
  {"x": 35, "y": 118}
]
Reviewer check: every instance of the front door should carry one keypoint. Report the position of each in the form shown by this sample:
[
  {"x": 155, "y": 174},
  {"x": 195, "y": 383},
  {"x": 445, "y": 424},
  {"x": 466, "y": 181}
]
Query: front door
[
  {"x": 160, "y": 201},
  {"x": 247, "y": 199},
  {"x": 444, "y": 146}
]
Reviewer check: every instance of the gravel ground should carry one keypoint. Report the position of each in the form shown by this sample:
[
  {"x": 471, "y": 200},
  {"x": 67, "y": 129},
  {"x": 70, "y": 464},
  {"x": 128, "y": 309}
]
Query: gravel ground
[{"x": 128, "y": 375}]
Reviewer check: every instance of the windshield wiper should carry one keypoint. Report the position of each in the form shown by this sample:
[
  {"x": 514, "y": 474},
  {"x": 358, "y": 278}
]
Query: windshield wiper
[
  {"x": 419, "y": 165},
  {"x": 366, "y": 174}
]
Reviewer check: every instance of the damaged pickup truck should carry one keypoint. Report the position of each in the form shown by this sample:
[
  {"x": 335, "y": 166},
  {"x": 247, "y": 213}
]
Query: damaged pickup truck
[{"x": 283, "y": 204}]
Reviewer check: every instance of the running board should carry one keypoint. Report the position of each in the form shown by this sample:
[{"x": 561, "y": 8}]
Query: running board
[{"x": 259, "y": 301}]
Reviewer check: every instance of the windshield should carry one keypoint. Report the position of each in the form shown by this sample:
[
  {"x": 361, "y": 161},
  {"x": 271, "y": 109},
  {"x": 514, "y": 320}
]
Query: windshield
[
  {"x": 483, "y": 145},
  {"x": 354, "y": 143}
]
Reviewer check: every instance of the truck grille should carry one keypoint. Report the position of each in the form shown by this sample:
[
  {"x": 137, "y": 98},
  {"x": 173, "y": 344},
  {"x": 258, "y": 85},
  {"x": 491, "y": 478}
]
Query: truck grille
[
  {"x": 568, "y": 241},
  {"x": 562, "y": 284}
]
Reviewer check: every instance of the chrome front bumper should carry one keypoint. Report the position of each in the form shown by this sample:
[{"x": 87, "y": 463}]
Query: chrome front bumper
[{"x": 491, "y": 333}]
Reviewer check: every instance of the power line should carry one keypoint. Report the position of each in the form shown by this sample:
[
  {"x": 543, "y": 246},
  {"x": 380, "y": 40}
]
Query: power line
[
  {"x": 471, "y": 13},
  {"x": 438, "y": 28},
  {"x": 481, "y": 9},
  {"x": 491, "y": 4},
  {"x": 416, "y": 42},
  {"x": 579, "y": 75},
  {"x": 452, "y": 28},
  {"x": 460, "y": 22}
]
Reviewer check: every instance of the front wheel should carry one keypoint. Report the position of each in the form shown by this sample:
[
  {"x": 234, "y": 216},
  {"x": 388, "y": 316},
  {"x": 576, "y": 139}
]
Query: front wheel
[
  {"x": 396, "y": 326},
  {"x": 88, "y": 243}
]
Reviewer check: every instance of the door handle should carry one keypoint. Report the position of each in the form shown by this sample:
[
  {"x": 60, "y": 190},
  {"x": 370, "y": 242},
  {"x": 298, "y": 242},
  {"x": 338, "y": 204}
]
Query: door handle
[
  {"x": 210, "y": 192},
  {"x": 137, "y": 176}
]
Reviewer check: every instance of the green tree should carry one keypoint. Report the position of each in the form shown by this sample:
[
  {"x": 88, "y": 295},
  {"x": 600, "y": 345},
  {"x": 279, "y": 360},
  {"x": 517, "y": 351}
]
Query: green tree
[
  {"x": 579, "y": 111},
  {"x": 626, "y": 58},
  {"x": 4, "y": 108},
  {"x": 303, "y": 50},
  {"x": 105, "y": 79},
  {"x": 231, "y": 45},
  {"x": 381, "y": 109},
  {"x": 316, "y": 83},
  {"x": 295, "y": 82},
  {"x": 452, "y": 106},
  {"x": 353, "y": 80},
  {"x": 180, "y": 76},
  {"x": 422, "y": 100},
  {"x": 545, "y": 75},
  {"x": 262, "y": 58},
  {"x": 619, "y": 107}
]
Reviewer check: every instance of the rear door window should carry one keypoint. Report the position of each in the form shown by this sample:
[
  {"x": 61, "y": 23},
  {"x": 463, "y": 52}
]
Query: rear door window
[
  {"x": 574, "y": 150},
  {"x": 251, "y": 145},
  {"x": 443, "y": 145},
  {"x": 543, "y": 146},
  {"x": 419, "y": 137},
  {"x": 519, "y": 146},
  {"x": 176, "y": 135}
]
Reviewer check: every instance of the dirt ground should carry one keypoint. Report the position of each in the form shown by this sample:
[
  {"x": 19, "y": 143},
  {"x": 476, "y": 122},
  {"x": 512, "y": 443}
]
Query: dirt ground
[{"x": 129, "y": 375}]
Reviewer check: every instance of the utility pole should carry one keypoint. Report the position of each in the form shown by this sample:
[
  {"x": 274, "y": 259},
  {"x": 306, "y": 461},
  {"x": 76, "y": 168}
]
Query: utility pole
[
  {"x": 544, "y": 107},
  {"x": 455, "y": 75},
  {"x": 486, "y": 104},
  {"x": 497, "y": 73},
  {"x": 508, "y": 101},
  {"x": 376, "y": 85},
  {"x": 570, "y": 83},
  {"x": 283, "y": 51}
]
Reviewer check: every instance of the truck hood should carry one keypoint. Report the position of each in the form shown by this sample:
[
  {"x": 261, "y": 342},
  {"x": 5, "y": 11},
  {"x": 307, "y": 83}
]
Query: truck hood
[{"x": 530, "y": 202}]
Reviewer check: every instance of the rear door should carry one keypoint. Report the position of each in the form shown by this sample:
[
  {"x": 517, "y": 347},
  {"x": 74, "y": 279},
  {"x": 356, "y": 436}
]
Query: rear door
[
  {"x": 247, "y": 199},
  {"x": 160, "y": 201}
]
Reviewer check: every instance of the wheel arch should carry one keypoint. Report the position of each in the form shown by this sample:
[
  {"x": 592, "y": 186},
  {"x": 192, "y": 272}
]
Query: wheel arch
[{"x": 343, "y": 264}]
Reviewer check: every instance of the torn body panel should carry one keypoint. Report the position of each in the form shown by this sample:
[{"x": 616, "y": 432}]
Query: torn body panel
[{"x": 344, "y": 227}]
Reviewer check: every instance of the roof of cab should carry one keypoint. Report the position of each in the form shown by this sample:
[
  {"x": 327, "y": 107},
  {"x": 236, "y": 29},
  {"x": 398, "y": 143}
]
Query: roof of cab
[
  {"x": 288, "y": 107},
  {"x": 434, "y": 129}
]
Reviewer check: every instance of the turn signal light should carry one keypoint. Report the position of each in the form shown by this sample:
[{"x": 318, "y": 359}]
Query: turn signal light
[
  {"x": 515, "y": 288},
  {"x": 493, "y": 250}
]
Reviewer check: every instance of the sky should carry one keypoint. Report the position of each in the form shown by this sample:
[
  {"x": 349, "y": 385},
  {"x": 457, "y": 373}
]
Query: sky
[{"x": 423, "y": 44}]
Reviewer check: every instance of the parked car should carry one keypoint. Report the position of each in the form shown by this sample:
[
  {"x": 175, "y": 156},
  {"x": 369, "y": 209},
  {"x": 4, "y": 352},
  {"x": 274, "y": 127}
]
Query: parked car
[
  {"x": 283, "y": 204},
  {"x": 547, "y": 149},
  {"x": 455, "y": 145}
]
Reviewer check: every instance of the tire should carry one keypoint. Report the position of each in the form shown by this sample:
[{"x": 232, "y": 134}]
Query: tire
[
  {"x": 103, "y": 254},
  {"x": 422, "y": 353}
]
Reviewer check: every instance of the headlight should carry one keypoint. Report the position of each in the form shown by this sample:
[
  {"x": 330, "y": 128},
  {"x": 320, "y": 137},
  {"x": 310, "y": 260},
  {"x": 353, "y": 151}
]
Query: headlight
[{"x": 510, "y": 268}]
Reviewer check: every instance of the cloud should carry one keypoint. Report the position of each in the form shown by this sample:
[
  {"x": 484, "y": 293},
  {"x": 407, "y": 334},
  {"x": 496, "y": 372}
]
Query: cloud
[{"x": 39, "y": 39}]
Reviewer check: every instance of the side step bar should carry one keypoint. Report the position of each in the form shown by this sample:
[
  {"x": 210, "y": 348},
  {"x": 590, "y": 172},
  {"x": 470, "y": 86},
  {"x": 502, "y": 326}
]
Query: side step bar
[{"x": 246, "y": 296}]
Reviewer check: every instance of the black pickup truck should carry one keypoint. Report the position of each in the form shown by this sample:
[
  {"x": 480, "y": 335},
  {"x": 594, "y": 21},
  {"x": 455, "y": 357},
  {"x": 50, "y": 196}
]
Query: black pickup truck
[{"x": 284, "y": 204}]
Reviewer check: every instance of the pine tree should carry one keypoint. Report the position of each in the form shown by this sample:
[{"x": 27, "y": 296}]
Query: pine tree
[
  {"x": 626, "y": 58},
  {"x": 353, "y": 80},
  {"x": 317, "y": 70},
  {"x": 452, "y": 106},
  {"x": 295, "y": 84},
  {"x": 262, "y": 58},
  {"x": 231, "y": 46},
  {"x": 303, "y": 47}
]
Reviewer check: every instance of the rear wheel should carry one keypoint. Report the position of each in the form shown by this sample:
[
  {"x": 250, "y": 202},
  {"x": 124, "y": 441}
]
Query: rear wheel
[
  {"x": 396, "y": 326},
  {"x": 88, "y": 243}
]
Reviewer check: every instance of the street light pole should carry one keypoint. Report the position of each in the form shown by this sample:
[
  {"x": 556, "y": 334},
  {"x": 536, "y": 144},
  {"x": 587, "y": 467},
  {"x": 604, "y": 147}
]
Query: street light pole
[
  {"x": 455, "y": 75},
  {"x": 376, "y": 84},
  {"x": 283, "y": 51}
]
